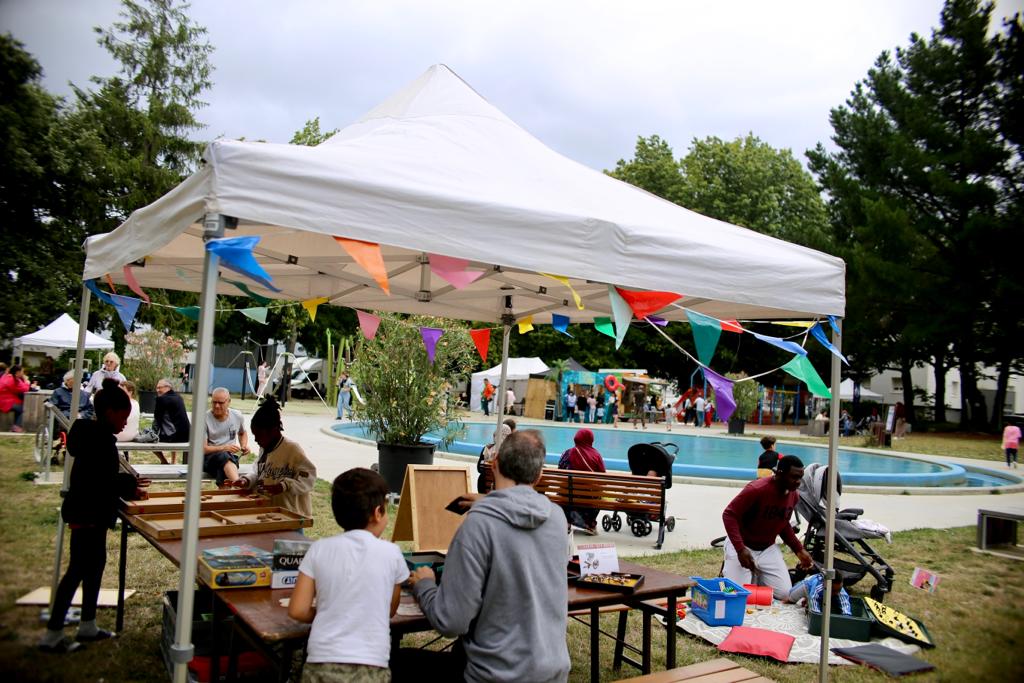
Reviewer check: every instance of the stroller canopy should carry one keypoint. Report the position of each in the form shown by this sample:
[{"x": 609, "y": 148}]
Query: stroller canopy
[{"x": 645, "y": 457}]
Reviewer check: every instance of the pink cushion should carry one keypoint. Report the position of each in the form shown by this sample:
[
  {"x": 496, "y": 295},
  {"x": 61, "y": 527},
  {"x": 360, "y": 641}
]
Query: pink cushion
[{"x": 758, "y": 641}]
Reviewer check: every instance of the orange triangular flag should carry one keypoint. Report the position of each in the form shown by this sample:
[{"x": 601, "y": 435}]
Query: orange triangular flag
[
  {"x": 482, "y": 340},
  {"x": 367, "y": 255}
]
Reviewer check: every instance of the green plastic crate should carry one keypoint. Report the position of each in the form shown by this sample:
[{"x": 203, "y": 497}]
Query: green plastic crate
[{"x": 856, "y": 626}]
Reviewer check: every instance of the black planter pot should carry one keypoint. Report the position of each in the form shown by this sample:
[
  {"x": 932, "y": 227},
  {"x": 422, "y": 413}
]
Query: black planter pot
[
  {"x": 393, "y": 458},
  {"x": 736, "y": 425},
  {"x": 147, "y": 401}
]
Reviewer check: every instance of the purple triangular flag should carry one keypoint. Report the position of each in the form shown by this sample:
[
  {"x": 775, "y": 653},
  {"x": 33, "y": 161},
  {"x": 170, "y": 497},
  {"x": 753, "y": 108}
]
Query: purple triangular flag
[
  {"x": 430, "y": 336},
  {"x": 655, "y": 320},
  {"x": 725, "y": 404}
]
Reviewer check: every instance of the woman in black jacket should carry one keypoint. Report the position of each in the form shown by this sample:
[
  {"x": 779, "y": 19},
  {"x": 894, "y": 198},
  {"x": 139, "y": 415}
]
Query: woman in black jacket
[{"x": 89, "y": 509}]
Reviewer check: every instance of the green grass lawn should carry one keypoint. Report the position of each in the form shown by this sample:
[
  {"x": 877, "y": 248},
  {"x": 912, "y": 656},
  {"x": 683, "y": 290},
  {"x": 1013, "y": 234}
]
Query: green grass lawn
[{"x": 974, "y": 617}]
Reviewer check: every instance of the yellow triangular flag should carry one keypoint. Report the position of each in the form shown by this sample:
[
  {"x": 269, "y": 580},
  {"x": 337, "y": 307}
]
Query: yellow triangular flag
[
  {"x": 565, "y": 281},
  {"x": 795, "y": 323},
  {"x": 311, "y": 304},
  {"x": 525, "y": 324}
]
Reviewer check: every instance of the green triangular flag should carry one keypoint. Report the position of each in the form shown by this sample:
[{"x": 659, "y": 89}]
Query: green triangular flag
[
  {"x": 259, "y": 314},
  {"x": 706, "y": 331},
  {"x": 622, "y": 312},
  {"x": 604, "y": 326},
  {"x": 189, "y": 312},
  {"x": 802, "y": 369},
  {"x": 251, "y": 294}
]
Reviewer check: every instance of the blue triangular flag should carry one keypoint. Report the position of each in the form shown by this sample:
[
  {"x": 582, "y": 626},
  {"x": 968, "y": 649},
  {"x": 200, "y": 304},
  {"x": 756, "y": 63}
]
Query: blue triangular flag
[
  {"x": 560, "y": 322},
  {"x": 785, "y": 344},
  {"x": 834, "y": 324},
  {"x": 100, "y": 294},
  {"x": 126, "y": 307},
  {"x": 236, "y": 254},
  {"x": 819, "y": 333}
]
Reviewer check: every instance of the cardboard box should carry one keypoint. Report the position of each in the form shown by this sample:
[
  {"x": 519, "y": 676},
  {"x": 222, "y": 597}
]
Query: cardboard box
[
  {"x": 234, "y": 572},
  {"x": 288, "y": 556}
]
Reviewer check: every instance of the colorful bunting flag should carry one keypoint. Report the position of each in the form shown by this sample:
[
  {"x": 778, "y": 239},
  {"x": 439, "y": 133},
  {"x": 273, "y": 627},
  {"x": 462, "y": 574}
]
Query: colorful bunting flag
[
  {"x": 126, "y": 307},
  {"x": 525, "y": 324},
  {"x": 261, "y": 300},
  {"x": 725, "y": 404},
  {"x": 100, "y": 294},
  {"x": 259, "y": 314},
  {"x": 430, "y": 336},
  {"x": 801, "y": 368},
  {"x": 604, "y": 326},
  {"x": 834, "y": 324},
  {"x": 368, "y": 323},
  {"x": 731, "y": 326},
  {"x": 784, "y": 344},
  {"x": 133, "y": 284},
  {"x": 795, "y": 323},
  {"x": 453, "y": 270},
  {"x": 311, "y": 305},
  {"x": 565, "y": 281},
  {"x": 110, "y": 283},
  {"x": 236, "y": 254},
  {"x": 706, "y": 332},
  {"x": 818, "y": 332},
  {"x": 655, "y": 320},
  {"x": 189, "y": 312},
  {"x": 560, "y": 323},
  {"x": 645, "y": 303},
  {"x": 368, "y": 256},
  {"x": 622, "y": 313},
  {"x": 482, "y": 341}
]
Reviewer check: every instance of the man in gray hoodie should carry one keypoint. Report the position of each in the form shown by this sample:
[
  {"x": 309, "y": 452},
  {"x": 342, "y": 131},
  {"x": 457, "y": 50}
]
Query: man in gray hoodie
[{"x": 505, "y": 591}]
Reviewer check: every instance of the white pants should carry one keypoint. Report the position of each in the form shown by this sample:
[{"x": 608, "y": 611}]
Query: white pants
[{"x": 771, "y": 569}]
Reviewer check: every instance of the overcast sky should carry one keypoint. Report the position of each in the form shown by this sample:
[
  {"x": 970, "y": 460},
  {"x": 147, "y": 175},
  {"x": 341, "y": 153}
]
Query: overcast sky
[{"x": 585, "y": 77}]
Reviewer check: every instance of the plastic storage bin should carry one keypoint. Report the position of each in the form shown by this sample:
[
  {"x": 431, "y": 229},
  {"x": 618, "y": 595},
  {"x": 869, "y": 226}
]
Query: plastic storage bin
[
  {"x": 717, "y": 605},
  {"x": 856, "y": 626}
]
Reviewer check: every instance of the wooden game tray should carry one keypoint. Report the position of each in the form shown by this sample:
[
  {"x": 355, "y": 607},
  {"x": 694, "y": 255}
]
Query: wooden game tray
[
  {"x": 214, "y": 499},
  {"x": 616, "y": 581},
  {"x": 222, "y": 522}
]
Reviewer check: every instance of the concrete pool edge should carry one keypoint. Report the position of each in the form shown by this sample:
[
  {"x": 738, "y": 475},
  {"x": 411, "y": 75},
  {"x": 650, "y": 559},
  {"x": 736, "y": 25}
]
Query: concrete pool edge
[{"x": 895, "y": 490}]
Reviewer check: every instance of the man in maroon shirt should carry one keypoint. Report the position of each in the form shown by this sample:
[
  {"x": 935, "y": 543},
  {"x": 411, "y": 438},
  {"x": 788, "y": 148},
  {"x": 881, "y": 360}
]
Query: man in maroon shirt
[{"x": 760, "y": 513}]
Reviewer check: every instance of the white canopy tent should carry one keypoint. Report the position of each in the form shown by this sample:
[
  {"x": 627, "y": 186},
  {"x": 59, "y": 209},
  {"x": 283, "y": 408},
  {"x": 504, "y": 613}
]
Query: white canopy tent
[
  {"x": 846, "y": 392},
  {"x": 62, "y": 333},
  {"x": 436, "y": 169},
  {"x": 518, "y": 371}
]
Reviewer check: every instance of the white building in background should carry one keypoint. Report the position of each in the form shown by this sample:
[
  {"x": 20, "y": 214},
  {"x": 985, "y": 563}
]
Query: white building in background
[{"x": 890, "y": 385}]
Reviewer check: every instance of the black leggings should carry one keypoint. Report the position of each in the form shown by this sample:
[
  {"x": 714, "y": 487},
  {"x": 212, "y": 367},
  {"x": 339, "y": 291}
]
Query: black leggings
[{"x": 88, "y": 557}]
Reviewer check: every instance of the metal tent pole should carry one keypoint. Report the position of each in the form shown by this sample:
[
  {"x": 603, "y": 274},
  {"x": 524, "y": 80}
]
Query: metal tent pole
[
  {"x": 830, "y": 525},
  {"x": 506, "y": 321},
  {"x": 182, "y": 651},
  {"x": 76, "y": 396}
]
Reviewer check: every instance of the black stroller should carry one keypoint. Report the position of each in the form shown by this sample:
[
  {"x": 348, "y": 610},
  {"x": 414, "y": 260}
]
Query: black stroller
[
  {"x": 645, "y": 458},
  {"x": 854, "y": 557}
]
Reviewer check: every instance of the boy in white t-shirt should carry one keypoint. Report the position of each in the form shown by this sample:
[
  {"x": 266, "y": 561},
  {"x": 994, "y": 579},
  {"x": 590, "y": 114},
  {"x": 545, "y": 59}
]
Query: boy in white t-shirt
[{"x": 356, "y": 579}]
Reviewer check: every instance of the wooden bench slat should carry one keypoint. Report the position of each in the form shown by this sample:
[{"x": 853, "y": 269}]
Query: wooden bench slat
[{"x": 719, "y": 670}]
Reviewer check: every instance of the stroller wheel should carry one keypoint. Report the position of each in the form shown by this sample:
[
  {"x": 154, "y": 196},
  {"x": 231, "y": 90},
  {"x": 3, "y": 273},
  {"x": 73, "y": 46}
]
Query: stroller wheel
[
  {"x": 606, "y": 523},
  {"x": 641, "y": 527},
  {"x": 670, "y": 523},
  {"x": 617, "y": 522}
]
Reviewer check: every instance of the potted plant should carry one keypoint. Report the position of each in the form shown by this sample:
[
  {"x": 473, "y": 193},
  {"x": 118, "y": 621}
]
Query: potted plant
[
  {"x": 405, "y": 396},
  {"x": 745, "y": 394},
  {"x": 150, "y": 356}
]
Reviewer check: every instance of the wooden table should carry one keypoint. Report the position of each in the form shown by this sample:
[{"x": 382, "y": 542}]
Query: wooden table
[
  {"x": 715, "y": 671},
  {"x": 266, "y": 624}
]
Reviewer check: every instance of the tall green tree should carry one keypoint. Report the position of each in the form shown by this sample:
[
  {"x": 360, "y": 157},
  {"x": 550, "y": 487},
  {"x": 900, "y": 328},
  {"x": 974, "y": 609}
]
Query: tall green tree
[
  {"x": 35, "y": 271},
  {"x": 652, "y": 168},
  {"x": 925, "y": 189}
]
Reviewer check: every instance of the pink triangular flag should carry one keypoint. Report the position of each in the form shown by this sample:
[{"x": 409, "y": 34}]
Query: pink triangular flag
[
  {"x": 133, "y": 284},
  {"x": 430, "y": 336},
  {"x": 368, "y": 323},
  {"x": 453, "y": 270}
]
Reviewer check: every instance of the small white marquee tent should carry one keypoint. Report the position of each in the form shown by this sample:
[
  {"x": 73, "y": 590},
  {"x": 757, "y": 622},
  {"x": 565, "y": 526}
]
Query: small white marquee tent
[
  {"x": 517, "y": 374},
  {"x": 436, "y": 169},
  {"x": 846, "y": 392},
  {"x": 62, "y": 333}
]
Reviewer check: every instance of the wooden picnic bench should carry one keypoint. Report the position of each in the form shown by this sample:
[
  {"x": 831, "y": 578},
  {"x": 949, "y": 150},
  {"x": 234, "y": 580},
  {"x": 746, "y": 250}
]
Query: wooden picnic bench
[
  {"x": 719, "y": 670},
  {"x": 641, "y": 498}
]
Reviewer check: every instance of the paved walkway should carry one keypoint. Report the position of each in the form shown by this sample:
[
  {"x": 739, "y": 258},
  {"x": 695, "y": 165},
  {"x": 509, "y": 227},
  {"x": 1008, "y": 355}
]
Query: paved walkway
[{"x": 697, "y": 508}]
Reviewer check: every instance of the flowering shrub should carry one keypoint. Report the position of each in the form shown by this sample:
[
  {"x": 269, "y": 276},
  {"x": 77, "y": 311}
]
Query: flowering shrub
[
  {"x": 407, "y": 396},
  {"x": 151, "y": 356}
]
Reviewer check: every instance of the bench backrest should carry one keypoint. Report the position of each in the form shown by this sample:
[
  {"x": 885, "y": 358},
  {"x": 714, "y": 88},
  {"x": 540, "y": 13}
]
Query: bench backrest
[{"x": 597, "y": 490}]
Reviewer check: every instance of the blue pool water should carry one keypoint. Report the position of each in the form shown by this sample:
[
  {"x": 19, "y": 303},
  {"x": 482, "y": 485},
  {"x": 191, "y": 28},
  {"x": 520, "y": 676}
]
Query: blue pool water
[{"x": 726, "y": 458}]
